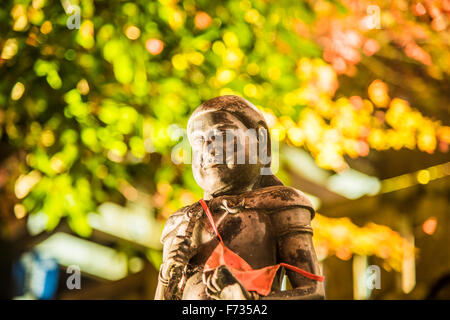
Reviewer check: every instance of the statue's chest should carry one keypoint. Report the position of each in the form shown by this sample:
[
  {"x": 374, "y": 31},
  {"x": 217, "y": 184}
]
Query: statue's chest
[{"x": 249, "y": 233}]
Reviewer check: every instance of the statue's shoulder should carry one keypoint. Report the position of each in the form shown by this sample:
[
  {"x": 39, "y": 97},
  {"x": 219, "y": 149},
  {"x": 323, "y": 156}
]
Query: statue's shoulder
[
  {"x": 269, "y": 199},
  {"x": 290, "y": 209},
  {"x": 176, "y": 219},
  {"x": 278, "y": 198}
]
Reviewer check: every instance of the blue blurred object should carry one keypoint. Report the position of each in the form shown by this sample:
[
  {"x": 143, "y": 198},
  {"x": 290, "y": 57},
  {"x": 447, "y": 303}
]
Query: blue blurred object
[{"x": 36, "y": 275}]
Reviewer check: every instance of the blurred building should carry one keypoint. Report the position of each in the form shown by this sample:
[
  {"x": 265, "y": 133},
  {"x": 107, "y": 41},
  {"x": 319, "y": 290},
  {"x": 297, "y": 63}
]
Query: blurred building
[
  {"x": 412, "y": 199},
  {"x": 114, "y": 263}
]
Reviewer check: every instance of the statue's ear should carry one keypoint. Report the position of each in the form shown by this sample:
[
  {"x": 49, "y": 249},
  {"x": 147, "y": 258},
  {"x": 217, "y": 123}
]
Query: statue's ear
[{"x": 264, "y": 149}]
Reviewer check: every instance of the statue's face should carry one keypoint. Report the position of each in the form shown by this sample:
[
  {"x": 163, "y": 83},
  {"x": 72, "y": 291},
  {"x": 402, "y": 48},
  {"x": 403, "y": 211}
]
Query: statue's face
[{"x": 225, "y": 153}]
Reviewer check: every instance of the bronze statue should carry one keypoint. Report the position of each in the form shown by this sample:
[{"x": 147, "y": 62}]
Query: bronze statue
[{"x": 249, "y": 229}]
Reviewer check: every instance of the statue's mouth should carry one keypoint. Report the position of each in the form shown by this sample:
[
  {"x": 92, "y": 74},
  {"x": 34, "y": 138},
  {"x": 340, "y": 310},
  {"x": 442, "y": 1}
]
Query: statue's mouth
[
  {"x": 210, "y": 165},
  {"x": 210, "y": 162}
]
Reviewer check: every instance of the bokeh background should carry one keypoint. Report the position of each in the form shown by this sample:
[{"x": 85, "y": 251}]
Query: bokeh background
[{"x": 94, "y": 97}]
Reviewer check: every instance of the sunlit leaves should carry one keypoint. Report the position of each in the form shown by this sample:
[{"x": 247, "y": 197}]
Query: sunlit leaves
[
  {"x": 89, "y": 138},
  {"x": 123, "y": 68},
  {"x": 17, "y": 91},
  {"x": 50, "y": 71},
  {"x": 9, "y": 49},
  {"x": 154, "y": 46},
  {"x": 85, "y": 36},
  {"x": 343, "y": 238},
  {"x": 19, "y": 14},
  {"x": 137, "y": 147}
]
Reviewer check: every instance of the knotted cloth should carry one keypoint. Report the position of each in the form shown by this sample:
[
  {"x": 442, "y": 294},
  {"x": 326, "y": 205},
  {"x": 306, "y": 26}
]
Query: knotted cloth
[{"x": 258, "y": 280}]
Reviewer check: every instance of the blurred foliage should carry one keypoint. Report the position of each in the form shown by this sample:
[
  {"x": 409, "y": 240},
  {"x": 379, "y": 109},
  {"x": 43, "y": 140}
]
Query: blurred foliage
[
  {"x": 343, "y": 238},
  {"x": 94, "y": 111}
]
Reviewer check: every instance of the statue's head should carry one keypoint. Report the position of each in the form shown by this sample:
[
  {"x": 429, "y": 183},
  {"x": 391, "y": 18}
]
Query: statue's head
[{"x": 231, "y": 146}]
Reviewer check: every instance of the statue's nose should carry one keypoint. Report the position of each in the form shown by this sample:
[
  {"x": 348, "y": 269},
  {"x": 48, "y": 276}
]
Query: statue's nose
[
  {"x": 209, "y": 148},
  {"x": 212, "y": 145},
  {"x": 212, "y": 154}
]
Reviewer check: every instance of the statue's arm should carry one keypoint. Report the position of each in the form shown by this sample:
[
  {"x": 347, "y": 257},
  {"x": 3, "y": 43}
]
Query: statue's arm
[
  {"x": 167, "y": 239},
  {"x": 295, "y": 247},
  {"x": 162, "y": 285}
]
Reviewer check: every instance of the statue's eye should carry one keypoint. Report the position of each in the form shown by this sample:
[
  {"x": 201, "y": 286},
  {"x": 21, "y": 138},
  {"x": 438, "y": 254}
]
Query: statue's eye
[
  {"x": 219, "y": 135},
  {"x": 198, "y": 141}
]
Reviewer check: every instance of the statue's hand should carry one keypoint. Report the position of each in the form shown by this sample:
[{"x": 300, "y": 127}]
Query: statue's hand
[
  {"x": 180, "y": 252},
  {"x": 222, "y": 285}
]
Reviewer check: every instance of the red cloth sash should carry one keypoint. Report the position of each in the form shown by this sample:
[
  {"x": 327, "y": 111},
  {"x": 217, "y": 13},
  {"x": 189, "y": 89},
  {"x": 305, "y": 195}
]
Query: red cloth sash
[{"x": 259, "y": 280}]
